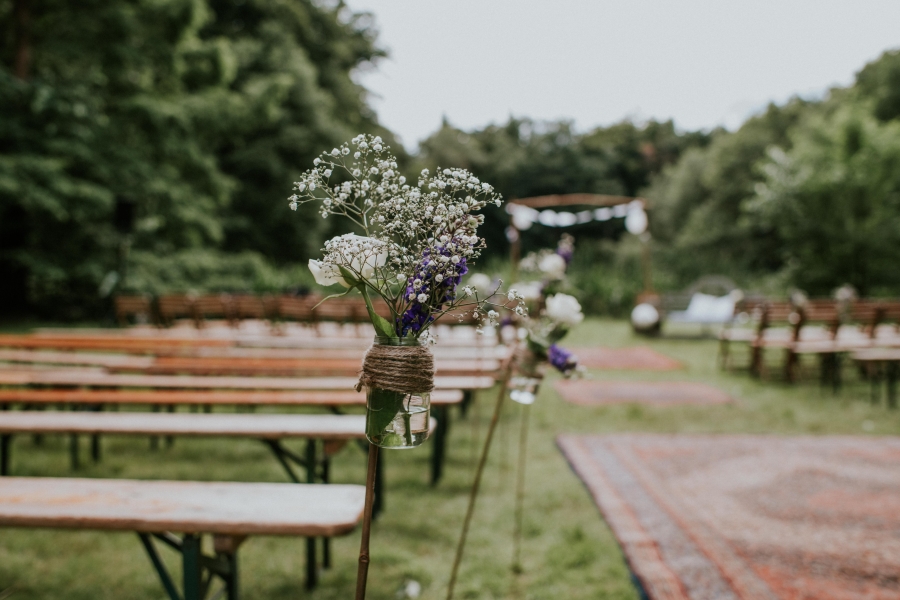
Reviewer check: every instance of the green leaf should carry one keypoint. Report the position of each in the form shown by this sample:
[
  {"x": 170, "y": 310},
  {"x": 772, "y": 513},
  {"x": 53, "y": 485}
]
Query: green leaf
[
  {"x": 383, "y": 327},
  {"x": 349, "y": 276},
  {"x": 383, "y": 406}
]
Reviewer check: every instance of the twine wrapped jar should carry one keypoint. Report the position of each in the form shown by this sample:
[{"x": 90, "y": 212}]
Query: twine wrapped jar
[
  {"x": 527, "y": 377},
  {"x": 398, "y": 374}
]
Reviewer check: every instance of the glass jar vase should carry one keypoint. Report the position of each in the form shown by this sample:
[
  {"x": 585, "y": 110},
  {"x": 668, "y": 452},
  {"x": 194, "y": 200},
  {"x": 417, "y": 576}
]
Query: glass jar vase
[{"x": 397, "y": 420}]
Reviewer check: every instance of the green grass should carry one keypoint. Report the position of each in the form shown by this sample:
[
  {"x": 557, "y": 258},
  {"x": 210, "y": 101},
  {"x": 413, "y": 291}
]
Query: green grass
[{"x": 568, "y": 550}]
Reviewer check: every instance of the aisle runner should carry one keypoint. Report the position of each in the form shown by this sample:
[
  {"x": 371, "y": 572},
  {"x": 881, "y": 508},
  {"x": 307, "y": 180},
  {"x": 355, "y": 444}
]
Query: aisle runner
[
  {"x": 636, "y": 358},
  {"x": 593, "y": 393},
  {"x": 740, "y": 517}
]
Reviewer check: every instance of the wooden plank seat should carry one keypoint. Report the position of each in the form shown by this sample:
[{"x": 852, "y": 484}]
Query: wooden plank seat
[
  {"x": 173, "y": 346},
  {"x": 93, "y": 397},
  {"x": 228, "y": 511},
  {"x": 266, "y": 427},
  {"x": 101, "y": 380},
  {"x": 233, "y": 365},
  {"x": 142, "y": 359},
  {"x": 290, "y": 367}
]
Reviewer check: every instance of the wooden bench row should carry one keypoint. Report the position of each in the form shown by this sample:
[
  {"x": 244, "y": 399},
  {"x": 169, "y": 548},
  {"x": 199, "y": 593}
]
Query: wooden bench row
[
  {"x": 232, "y": 365},
  {"x": 165, "y": 309},
  {"x": 820, "y": 327}
]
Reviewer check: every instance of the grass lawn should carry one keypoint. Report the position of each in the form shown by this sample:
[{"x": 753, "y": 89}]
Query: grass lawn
[{"x": 568, "y": 550}]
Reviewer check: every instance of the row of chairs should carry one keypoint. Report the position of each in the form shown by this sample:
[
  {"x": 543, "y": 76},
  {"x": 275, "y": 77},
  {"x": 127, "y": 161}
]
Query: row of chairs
[
  {"x": 164, "y": 310},
  {"x": 817, "y": 326}
]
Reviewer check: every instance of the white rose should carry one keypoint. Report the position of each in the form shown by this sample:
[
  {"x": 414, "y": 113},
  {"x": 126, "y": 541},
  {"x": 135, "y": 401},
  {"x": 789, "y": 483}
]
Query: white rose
[
  {"x": 564, "y": 309},
  {"x": 325, "y": 274},
  {"x": 553, "y": 265},
  {"x": 366, "y": 261}
]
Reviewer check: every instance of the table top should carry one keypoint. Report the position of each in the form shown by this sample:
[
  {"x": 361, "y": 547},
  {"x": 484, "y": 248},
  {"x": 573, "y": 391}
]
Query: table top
[
  {"x": 181, "y": 506},
  {"x": 266, "y": 426},
  {"x": 218, "y": 397},
  {"x": 91, "y": 379}
]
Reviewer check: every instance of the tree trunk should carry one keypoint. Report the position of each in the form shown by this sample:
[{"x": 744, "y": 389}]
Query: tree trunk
[{"x": 22, "y": 17}]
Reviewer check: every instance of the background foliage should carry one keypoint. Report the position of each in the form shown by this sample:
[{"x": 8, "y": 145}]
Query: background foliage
[{"x": 197, "y": 115}]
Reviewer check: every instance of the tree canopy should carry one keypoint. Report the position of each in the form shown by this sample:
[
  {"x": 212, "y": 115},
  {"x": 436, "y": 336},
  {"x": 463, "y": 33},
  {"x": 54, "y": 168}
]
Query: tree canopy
[{"x": 198, "y": 113}]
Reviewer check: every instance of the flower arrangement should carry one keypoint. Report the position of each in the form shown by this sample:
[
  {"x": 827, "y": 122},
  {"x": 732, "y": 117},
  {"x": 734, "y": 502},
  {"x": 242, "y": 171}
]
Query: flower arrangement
[
  {"x": 415, "y": 241},
  {"x": 557, "y": 314}
]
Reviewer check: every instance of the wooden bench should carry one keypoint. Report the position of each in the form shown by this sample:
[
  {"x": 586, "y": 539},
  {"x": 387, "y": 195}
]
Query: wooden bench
[
  {"x": 94, "y": 400},
  {"x": 74, "y": 378},
  {"x": 100, "y": 357},
  {"x": 139, "y": 307},
  {"x": 230, "y": 512}
]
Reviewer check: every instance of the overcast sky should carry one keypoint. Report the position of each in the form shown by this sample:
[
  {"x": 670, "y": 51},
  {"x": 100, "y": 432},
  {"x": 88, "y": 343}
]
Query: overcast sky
[{"x": 700, "y": 62}]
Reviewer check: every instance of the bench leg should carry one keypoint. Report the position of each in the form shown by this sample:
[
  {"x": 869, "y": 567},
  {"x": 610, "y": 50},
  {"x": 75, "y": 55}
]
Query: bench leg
[
  {"x": 164, "y": 577},
  {"x": 875, "y": 379},
  {"x": 440, "y": 443},
  {"x": 4, "y": 453},
  {"x": 468, "y": 396},
  {"x": 170, "y": 440},
  {"x": 326, "y": 541},
  {"x": 154, "y": 440},
  {"x": 198, "y": 569},
  {"x": 311, "y": 562},
  {"x": 231, "y": 582},
  {"x": 193, "y": 575},
  {"x": 73, "y": 452},
  {"x": 891, "y": 368}
]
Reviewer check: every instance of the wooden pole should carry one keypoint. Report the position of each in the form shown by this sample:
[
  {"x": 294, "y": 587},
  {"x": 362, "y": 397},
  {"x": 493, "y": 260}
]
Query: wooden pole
[
  {"x": 362, "y": 572},
  {"x": 473, "y": 494},
  {"x": 520, "y": 491}
]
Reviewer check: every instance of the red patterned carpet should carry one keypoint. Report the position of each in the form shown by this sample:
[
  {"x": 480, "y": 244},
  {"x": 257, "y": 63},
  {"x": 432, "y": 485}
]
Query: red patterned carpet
[
  {"x": 593, "y": 393},
  {"x": 738, "y": 517},
  {"x": 636, "y": 358}
]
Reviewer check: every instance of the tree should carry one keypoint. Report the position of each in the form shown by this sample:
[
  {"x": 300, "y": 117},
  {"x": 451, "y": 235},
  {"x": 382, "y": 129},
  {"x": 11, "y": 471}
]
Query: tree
[
  {"x": 834, "y": 199},
  {"x": 199, "y": 113}
]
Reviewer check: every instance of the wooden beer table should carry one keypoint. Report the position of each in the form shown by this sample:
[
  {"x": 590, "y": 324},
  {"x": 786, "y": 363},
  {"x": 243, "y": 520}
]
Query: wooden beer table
[{"x": 230, "y": 512}]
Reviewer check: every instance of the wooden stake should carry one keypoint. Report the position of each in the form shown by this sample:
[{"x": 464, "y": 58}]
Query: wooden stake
[
  {"x": 362, "y": 573},
  {"x": 520, "y": 491},
  {"x": 473, "y": 494}
]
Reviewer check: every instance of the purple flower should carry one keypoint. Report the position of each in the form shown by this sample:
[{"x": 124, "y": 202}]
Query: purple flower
[
  {"x": 562, "y": 359},
  {"x": 420, "y": 314}
]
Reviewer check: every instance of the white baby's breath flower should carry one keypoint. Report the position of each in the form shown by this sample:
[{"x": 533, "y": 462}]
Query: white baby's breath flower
[
  {"x": 439, "y": 278},
  {"x": 422, "y": 298},
  {"x": 316, "y": 161},
  {"x": 327, "y": 173}
]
